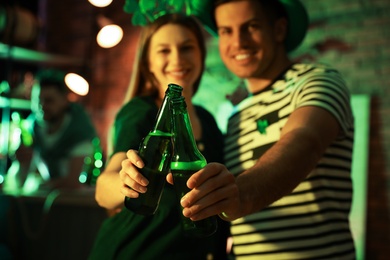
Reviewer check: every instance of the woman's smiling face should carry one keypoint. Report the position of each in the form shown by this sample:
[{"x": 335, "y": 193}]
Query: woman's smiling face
[{"x": 174, "y": 56}]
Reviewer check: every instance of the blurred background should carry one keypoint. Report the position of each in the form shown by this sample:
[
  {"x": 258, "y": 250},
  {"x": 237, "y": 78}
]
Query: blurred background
[{"x": 351, "y": 35}]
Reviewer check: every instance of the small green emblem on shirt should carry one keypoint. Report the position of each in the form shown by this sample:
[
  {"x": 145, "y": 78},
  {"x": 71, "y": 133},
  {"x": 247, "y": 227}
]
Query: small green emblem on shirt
[{"x": 262, "y": 124}]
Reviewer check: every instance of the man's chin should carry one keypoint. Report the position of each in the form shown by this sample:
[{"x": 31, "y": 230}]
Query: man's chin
[
  {"x": 241, "y": 71},
  {"x": 242, "y": 74}
]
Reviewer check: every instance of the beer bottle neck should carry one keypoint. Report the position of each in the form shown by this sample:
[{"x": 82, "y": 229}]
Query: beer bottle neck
[
  {"x": 185, "y": 148},
  {"x": 163, "y": 119}
]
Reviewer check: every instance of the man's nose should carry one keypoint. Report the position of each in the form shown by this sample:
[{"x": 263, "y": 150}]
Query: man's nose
[{"x": 240, "y": 39}]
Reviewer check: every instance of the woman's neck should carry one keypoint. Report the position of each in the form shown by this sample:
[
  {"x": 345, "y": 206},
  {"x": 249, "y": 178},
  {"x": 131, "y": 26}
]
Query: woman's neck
[{"x": 195, "y": 121}]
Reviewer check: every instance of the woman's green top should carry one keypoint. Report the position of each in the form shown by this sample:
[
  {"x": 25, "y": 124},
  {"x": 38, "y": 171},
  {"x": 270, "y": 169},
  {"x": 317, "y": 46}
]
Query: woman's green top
[{"x": 127, "y": 235}]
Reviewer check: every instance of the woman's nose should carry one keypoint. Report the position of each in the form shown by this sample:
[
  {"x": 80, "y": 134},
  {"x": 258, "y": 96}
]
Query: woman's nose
[{"x": 176, "y": 56}]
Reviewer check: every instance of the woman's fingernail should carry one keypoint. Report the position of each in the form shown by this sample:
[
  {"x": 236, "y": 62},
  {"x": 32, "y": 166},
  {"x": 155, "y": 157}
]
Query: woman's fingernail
[
  {"x": 183, "y": 201},
  {"x": 185, "y": 212},
  {"x": 139, "y": 164}
]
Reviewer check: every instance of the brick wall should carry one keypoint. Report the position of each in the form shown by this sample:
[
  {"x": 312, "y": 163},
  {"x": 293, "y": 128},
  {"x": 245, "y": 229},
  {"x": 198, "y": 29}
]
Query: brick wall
[{"x": 70, "y": 28}]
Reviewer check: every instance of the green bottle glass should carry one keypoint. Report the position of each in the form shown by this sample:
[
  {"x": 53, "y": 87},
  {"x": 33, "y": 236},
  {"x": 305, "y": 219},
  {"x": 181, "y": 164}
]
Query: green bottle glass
[
  {"x": 156, "y": 152},
  {"x": 186, "y": 160}
]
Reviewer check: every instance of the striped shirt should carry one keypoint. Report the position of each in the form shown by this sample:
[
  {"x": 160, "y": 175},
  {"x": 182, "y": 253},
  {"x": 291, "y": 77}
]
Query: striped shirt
[{"x": 311, "y": 222}]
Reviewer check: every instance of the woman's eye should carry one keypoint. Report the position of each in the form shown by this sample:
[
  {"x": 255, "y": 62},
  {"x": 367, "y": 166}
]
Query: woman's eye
[
  {"x": 163, "y": 51},
  {"x": 187, "y": 47}
]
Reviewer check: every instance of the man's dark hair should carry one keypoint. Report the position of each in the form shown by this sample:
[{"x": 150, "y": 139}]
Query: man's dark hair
[
  {"x": 275, "y": 9},
  {"x": 52, "y": 78}
]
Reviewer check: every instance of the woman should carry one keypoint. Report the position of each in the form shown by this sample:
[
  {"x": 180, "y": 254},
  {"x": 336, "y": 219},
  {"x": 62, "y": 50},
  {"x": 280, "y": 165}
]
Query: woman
[{"x": 173, "y": 51}]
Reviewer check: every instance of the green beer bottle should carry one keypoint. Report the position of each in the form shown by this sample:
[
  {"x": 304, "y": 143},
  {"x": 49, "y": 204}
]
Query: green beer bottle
[
  {"x": 186, "y": 160},
  {"x": 156, "y": 152}
]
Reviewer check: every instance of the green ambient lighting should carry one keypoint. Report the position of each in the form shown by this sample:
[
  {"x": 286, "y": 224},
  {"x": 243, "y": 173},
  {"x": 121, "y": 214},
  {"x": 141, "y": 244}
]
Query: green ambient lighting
[{"x": 361, "y": 111}]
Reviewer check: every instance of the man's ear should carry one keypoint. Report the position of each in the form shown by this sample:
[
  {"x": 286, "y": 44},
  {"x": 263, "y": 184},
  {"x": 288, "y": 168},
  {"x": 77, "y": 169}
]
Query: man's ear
[{"x": 280, "y": 30}]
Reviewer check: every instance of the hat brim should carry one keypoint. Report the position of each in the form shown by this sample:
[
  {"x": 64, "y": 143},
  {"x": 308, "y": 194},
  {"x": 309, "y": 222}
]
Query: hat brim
[
  {"x": 297, "y": 17},
  {"x": 298, "y": 20}
]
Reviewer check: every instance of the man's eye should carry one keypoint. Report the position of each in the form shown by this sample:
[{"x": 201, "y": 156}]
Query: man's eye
[
  {"x": 253, "y": 26},
  {"x": 223, "y": 31}
]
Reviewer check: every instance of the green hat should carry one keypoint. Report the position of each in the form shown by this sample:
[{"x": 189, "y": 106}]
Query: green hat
[
  {"x": 297, "y": 17},
  {"x": 298, "y": 21},
  {"x": 145, "y": 11}
]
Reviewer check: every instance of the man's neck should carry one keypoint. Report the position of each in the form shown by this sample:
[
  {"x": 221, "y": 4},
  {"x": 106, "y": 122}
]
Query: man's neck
[{"x": 256, "y": 84}]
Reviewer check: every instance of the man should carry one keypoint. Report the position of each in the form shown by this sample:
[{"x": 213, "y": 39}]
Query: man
[
  {"x": 289, "y": 144},
  {"x": 62, "y": 134}
]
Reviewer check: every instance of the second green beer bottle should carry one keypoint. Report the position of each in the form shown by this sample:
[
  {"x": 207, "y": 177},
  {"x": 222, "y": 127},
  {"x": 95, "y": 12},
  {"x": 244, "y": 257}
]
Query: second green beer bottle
[
  {"x": 156, "y": 152},
  {"x": 186, "y": 160}
]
